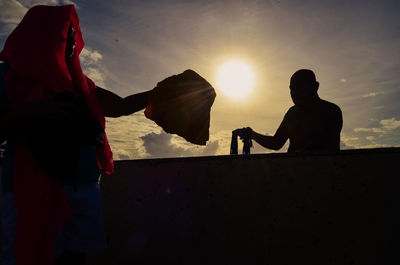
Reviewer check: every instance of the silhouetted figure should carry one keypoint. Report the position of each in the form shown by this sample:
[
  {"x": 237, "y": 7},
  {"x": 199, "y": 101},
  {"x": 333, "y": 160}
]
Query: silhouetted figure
[
  {"x": 312, "y": 124},
  {"x": 53, "y": 118}
]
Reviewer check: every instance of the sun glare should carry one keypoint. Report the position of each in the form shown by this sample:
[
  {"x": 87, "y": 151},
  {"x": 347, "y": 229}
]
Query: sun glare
[{"x": 235, "y": 79}]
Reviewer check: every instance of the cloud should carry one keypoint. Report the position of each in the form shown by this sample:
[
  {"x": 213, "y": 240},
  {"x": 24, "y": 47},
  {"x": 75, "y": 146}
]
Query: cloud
[
  {"x": 96, "y": 75},
  {"x": 163, "y": 145},
  {"x": 136, "y": 137},
  {"x": 343, "y": 80},
  {"x": 91, "y": 61},
  {"x": 121, "y": 154},
  {"x": 160, "y": 145},
  {"x": 390, "y": 124},
  {"x": 374, "y": 145},
  {"x": 211, "y": 148},
  {"x": 370, "y": 138},
  {"x": 89, "y": 56},
  {"x": 362, "y": 142},
  {"x": 124, "y": 135},
  {"x": 10, "y": 19},
  {"x": 371, "y": 130},
  {"x": 344, "y": 146},
  {"x": 348, "y": 142},
  {"x": 17, "y": 9},
  {"x": 372, "y": 94},
  {"x": 386, "y": 126}
]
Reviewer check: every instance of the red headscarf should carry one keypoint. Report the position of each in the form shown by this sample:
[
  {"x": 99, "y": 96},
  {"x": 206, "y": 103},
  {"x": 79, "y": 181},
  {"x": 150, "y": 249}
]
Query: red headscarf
[{"x": 35, "y": 52}]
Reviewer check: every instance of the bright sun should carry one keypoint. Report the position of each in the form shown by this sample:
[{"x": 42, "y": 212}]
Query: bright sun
[{"x": 235, "y": 79}]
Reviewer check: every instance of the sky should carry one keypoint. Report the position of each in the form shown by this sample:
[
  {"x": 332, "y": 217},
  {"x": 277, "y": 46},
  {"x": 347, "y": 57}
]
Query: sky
[{"x": 352, "y": 46}]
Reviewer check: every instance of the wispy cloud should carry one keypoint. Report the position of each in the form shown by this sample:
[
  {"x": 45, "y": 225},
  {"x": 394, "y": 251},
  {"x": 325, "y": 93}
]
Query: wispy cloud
[
  {"x": 390, "y": 124},
  {"x": 347, "y": 142},
  {"x": 362, "y": 142},
  {"x": 91, "y": 61},
  {"x": 370, "y": 138},
  {"x": 372, "y": 94},
  {"x": 372, "y": 130},
  {"x": 10, "y": 19},
  {"x": 386, "y": 126}
]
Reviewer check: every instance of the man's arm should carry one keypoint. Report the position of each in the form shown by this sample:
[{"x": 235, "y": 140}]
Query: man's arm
[
  {"x": 115, "y": 106},
  {"x": 271, "y": 142},
  {"x": 275, "y": 142}
]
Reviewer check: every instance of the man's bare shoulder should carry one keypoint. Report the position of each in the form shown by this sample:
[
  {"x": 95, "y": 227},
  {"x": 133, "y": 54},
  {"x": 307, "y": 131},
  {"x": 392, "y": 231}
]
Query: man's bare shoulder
[
  {"x": 331, "y": 107},
  {"x": 291, "y": 109},
  {"x": 290, "y": 112}
]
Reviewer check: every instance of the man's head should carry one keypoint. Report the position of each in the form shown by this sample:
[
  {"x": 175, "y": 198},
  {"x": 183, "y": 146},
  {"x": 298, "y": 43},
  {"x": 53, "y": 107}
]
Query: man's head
[{"x": 303, "y": 87}]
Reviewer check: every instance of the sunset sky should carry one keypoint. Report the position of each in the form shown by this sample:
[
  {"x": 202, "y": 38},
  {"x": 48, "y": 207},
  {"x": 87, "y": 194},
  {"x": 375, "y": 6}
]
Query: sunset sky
[{"x": 352, "y": 46}]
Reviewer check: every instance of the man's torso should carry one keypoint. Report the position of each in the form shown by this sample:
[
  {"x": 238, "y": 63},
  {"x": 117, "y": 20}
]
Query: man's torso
[{"x": 307, "y": 128}]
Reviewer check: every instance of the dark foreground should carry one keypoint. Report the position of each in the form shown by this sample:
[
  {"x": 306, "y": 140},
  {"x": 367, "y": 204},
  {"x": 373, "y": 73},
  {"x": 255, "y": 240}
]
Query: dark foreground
[{"x": 339, "y": 208}]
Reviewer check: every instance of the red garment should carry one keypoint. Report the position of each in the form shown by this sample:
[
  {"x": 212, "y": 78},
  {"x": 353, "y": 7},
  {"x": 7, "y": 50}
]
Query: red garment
[{"x": 35, "y": 52}]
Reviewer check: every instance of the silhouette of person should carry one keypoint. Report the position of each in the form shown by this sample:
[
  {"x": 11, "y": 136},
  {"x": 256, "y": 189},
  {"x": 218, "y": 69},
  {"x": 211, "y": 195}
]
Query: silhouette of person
[
  {"x": 312, "y": 124},
  {"x": 48, "y": 219}
]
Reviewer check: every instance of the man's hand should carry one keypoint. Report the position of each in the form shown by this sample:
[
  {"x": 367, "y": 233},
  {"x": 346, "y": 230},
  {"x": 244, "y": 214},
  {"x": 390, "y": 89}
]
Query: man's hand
[{"x": 243, "y": 133}]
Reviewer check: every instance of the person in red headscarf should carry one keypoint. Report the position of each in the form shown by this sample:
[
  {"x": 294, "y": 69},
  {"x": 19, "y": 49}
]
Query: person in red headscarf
[{"x": 53, "y": 118}]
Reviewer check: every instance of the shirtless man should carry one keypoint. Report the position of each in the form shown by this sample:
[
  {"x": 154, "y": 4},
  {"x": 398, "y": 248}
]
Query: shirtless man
[{"x": 312, "y": 124}]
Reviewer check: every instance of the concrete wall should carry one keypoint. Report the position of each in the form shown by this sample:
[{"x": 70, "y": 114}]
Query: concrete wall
[
  {"x": 261, "y": 209},
  {"x": 274, "y": 209}
]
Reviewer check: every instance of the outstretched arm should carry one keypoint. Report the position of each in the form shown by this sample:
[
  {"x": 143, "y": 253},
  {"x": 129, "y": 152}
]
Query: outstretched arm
[
  {"x": 115, "y": 106},
  {"x": 271, "y": 142}
]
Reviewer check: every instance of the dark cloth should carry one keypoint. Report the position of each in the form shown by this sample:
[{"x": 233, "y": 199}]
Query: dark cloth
[{"x": 181, "y": 104}]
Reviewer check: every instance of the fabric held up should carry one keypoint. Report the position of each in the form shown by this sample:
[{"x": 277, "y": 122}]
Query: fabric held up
[
  {"x": 35, "y": 52},
  {"x": 181, "y": 104}
]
